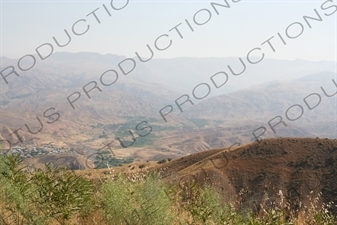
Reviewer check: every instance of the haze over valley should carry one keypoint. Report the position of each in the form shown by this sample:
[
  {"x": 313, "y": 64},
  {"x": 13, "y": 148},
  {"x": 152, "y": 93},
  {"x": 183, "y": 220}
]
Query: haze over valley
[{"x": 127, "y": 112}]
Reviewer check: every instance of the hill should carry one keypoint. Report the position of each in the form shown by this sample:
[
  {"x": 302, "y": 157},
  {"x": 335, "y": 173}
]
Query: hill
[
  {"x": 255, "y": 173},
  {"x": 228, "y": 115}
]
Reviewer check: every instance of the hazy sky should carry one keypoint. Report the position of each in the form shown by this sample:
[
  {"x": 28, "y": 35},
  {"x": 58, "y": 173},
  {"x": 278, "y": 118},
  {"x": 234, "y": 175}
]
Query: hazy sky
[{"x": 25, "y": 25}]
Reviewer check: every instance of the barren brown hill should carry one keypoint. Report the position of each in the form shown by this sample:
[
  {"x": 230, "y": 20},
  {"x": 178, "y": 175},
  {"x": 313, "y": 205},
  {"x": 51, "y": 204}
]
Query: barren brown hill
[
  {"x": 71, "y": 161},
  {"x": 256, "y": 173}
]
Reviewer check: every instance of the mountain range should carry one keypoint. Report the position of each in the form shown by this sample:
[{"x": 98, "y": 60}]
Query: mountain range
[{"x": 228, "y": 115}]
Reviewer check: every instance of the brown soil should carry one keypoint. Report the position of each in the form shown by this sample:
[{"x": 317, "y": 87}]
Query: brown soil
[
  {"x": 255, "y": 173},
  {"x": 72, "y": 161}
]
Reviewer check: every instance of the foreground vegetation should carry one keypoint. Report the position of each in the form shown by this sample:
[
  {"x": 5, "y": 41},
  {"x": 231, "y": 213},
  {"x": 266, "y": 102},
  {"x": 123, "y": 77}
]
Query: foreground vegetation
[{"x": 58, "y": 196}]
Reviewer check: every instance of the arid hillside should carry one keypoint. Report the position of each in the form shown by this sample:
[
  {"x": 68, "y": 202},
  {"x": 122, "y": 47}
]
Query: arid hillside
[
  {"x": 255, "y": 173},
  {"x": 252, "y": 174},
  {"x": 57, "y": 103}
]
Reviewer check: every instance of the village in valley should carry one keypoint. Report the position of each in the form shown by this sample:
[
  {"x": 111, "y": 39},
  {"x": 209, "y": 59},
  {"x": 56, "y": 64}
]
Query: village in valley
[{"x": 32, "y": 150}]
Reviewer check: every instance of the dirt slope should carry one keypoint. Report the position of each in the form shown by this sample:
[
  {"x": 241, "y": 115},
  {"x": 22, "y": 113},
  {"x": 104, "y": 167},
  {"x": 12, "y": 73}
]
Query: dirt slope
[{"x": 256, "y": 172}]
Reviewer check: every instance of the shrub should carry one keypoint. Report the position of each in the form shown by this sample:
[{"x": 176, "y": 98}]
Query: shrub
[
  {"x": 141, "y": 166},
  {"x": 16, "y": 193},
  {"x": 60, "y": 193},
  {"x": 204, "y": 204},
  {"x": 41, "y": 196},
  {"x": 162, "y": 161},
  {"x": 127, "y": 201}
]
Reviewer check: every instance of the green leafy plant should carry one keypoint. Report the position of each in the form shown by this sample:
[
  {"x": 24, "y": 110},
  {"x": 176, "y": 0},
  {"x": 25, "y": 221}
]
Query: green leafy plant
[
  {"x": 136, "y": 201},
  {"x": 203, "y": 203},
  {"x": 16, "y": 192},
  {"x": 61, "y": 193},
  {"x": 42, "y": 195}
]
